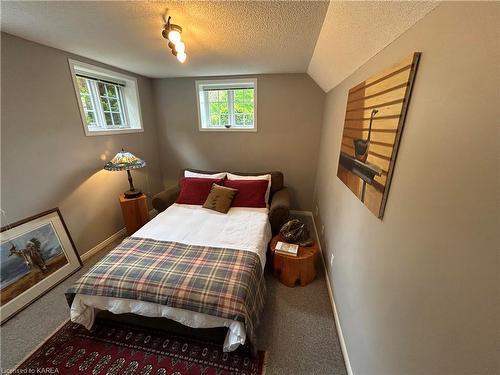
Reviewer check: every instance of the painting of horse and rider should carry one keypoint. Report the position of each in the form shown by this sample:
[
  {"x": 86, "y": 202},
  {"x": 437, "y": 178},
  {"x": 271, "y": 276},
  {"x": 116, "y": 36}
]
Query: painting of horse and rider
[{"x": 32, "y": 253}]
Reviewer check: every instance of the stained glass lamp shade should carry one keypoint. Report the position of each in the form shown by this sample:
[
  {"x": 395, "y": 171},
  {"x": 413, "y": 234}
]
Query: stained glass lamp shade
[{"x": 125, "y": 161}]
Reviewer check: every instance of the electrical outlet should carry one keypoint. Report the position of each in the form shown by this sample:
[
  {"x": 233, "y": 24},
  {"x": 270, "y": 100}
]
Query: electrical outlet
[
  {"x": 316, "y": 211},
  {"x": 322, "y": 230}
]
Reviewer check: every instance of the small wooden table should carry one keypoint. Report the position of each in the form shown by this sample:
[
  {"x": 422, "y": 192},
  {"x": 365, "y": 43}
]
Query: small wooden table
[
  {"x": 135, "y": 212},
  {"x": 289, "y": 269}
]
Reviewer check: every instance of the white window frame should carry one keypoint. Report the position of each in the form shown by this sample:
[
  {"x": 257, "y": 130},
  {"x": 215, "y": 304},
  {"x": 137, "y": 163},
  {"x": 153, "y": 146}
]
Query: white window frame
[
  {"x": 202, "y": 99},
  {"x": 130, "y": 101},
  {"x": 95, "y": 97}
]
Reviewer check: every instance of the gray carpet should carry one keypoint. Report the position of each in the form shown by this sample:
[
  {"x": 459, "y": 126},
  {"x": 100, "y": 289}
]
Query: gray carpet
[{"x": 297, "y": 328}]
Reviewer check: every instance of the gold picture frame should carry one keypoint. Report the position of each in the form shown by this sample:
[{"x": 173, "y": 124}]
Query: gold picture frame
[{"x": 36, "y": 254}]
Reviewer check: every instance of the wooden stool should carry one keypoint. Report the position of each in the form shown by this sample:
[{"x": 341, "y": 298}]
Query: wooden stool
[
  {"x": 289, "y": 269},
  {"x": 135, "y": 212}
]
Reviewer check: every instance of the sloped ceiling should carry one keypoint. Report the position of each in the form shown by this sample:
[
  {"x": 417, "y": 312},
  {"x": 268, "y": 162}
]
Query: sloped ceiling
[
  {"x": 354, "y": 31},
  {"x": 222, "y": 38}
]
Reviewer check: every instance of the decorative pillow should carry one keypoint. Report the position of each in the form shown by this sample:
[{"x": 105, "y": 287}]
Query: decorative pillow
[
  {"x": 220, "y": 198},
  {"x": 195, "y": 190},
  {"x": 251, "y": 193},
  {"x": 267, "y": 177},
  {"x": 221, "y": 175}
]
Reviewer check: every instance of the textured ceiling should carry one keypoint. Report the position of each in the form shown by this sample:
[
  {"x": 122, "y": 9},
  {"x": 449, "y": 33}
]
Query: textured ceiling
[
  {"x": 353, "y": 32},
  {"x": 221, "y": 38}
]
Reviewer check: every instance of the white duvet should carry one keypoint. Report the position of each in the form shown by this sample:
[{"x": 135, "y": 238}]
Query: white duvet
[{"x": 241, "y": 228}]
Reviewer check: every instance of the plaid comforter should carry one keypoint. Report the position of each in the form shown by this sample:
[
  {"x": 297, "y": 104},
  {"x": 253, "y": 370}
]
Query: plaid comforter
[{"x": 226, "y": 283}]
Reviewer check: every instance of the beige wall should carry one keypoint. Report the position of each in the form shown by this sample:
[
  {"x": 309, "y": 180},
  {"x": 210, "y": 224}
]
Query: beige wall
[
  {"x": 417, "y": 292},
  {"x": 46, "y": 159},
  {"x": 290, "y": 109}
]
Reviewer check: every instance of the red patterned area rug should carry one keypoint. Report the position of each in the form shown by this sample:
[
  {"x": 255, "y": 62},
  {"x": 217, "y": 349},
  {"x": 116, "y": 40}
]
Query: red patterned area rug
[{"x": 111, "y": 348}]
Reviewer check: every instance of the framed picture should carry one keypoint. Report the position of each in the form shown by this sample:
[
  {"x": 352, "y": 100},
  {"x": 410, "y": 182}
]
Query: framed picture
[
  {"x": 36, "y": 254},
  {"x": 375, "y": 115}
]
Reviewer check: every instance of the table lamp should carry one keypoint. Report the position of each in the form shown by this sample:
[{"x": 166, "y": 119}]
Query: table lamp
[{"x": 125, "y": 161}]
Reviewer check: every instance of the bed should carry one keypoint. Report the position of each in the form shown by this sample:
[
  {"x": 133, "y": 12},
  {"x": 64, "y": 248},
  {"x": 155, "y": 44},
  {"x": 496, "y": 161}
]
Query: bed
[{"x": 171, "y": 246}]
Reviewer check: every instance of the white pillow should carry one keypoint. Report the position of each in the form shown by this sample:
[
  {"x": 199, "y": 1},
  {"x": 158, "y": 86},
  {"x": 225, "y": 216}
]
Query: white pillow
[
  {"x": 267, "y": 177},
  {"x": 221, "y": 175}
]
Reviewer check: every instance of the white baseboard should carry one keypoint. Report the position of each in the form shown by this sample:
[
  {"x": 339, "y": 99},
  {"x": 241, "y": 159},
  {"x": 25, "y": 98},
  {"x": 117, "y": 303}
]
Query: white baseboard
[
  {"x": 337, "y": 324},
  {"x": 330, "y": 294},
  {"x": 120, "y": 234}
]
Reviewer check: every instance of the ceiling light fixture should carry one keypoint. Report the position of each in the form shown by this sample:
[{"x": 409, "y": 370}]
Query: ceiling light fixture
[
  {"x": 181, "y": 57},
  {"x": 172, "y": 33},
  {"x": 180, "y": 47}
]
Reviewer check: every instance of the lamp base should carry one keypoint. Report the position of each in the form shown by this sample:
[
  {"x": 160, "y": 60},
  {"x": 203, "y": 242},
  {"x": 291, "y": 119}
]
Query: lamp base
[{"x": 132, "y": 194}]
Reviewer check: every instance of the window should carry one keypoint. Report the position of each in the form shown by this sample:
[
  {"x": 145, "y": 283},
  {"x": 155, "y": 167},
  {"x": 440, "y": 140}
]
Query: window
[
  {"x": 108, "y": 101},
  {"x": 102, "y": 103},
  {"x": 227, "y": 105}
]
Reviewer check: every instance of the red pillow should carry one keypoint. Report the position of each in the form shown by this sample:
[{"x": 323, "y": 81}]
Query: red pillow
[
  {"x": 251, "y": 193},
  {"x": 195, "y": 190}
]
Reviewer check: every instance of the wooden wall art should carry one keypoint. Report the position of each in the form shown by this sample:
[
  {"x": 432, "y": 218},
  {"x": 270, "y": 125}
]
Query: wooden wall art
[{"x": 374, "y": 120}]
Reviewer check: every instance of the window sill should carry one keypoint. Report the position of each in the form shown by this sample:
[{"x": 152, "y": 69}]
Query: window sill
[
  {"x": 91, "y": 133},
  {"x": 228, "y": 130}
]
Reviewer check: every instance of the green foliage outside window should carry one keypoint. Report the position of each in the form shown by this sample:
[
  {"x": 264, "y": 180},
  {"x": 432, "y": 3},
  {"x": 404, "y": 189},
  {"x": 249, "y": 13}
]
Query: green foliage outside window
[
  {"x": 108, "y": 99},
  {"x": 220, "y": 111}
]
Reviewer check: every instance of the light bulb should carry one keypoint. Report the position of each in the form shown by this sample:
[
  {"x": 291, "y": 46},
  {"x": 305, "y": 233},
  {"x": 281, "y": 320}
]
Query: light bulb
[
  {"x": 181, "y": 56},
  {"x": 180, "y": 47},
  {"x": 174, "y": 36}
]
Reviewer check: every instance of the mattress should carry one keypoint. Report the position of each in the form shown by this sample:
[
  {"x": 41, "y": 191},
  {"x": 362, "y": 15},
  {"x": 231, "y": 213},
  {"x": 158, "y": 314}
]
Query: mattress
[{"x": 241, "y": 228}]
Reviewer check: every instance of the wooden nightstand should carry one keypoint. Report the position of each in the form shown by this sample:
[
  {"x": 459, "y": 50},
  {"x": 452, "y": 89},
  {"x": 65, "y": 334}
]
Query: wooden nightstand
[
  {"x": 291, "y": 269},
  {"x": 135, "y": 212}
]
